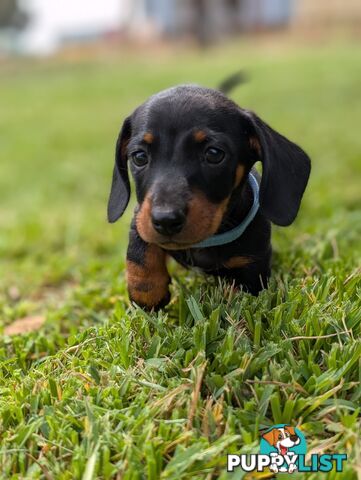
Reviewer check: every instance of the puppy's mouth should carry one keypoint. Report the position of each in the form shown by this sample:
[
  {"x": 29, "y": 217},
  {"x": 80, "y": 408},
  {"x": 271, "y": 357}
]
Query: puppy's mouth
[
  {"x": 175, "y": 245},
  {"x": 283, "y": 450}
]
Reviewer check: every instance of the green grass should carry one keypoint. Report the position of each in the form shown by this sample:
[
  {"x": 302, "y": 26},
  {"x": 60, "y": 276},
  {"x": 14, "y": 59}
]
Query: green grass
[{"x": 104, "y": 390}]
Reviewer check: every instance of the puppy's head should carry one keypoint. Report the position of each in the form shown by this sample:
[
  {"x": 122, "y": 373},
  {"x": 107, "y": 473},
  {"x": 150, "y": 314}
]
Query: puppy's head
[
  {"x": 188, "y": 149},
  {"x": 282, "y": 438}
]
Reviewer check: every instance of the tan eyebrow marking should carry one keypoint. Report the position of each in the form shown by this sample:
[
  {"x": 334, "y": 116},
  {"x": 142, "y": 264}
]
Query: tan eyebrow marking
[
  {"x": 199, "y": 136},
  {"x": 148, "y": 138}
]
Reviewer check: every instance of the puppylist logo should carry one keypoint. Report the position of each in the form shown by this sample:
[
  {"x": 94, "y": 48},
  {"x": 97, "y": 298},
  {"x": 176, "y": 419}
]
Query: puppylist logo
[{"x": 283, "y": 450}]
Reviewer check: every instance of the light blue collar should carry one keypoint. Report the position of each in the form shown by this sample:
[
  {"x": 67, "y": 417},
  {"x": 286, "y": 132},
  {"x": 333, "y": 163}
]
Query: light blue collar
[{"x": 231, "y": 235}]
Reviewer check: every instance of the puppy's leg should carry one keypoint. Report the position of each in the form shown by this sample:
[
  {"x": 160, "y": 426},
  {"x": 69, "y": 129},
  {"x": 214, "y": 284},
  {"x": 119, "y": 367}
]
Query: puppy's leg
[
  {"x": 249, "y": 273},
  {"x": 147, "y": 274}
]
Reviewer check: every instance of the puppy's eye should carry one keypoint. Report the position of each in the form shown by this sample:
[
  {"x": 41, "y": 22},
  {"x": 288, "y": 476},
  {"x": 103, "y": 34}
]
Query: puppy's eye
[
  {"x": 214, "y": 155},
  {"x": 139, "y": 158},
  {"x": 280, "y": 436}
]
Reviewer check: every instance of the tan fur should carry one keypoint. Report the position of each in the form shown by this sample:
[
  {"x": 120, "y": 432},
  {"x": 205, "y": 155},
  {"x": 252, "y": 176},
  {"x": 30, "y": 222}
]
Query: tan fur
[
  {"x": 238, "y": 262},
  {"x": 148, "y": 138},
  {"x": 203, "y": 220},
  {"x": 204, "y": 217},
  {"x": 271, "y": 437},
  {"x": 144, "y": 221},
  {"x": 239, "y": 175},
  {"x": 148, "y": 283},
  {"x": 199, "y": 136}
]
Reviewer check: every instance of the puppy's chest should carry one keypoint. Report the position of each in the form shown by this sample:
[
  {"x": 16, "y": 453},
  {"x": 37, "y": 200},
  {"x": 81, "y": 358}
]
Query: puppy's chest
[{"x": 207, "y": 260}]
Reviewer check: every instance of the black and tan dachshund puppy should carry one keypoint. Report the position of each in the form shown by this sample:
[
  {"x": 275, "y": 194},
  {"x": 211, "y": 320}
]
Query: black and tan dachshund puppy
[{"x": 191, "y": 151}]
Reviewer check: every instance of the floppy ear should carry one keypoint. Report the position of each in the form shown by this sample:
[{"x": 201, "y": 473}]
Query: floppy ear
[
  {"x": 285, "y": 172},
  {"x": 120, "y": 189},
  {"x": 269, "y": 437}
]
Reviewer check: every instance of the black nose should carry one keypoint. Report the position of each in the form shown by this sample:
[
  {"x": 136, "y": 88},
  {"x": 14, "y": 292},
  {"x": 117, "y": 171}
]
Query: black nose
[
  {"x": 294, "y": 438},
  {"x": 168, "y": 222}
]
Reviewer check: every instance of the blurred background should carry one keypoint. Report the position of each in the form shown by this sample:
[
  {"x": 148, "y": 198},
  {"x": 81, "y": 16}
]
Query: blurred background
[
  {"x": 42, "y": 27},
  {"x": 70, "y": 72}
]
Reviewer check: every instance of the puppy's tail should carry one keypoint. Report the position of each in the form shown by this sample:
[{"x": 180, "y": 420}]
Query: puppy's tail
[{"x": 231, "y": 82}]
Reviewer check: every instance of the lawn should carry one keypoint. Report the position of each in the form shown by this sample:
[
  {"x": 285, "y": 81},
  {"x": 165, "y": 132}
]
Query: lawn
[{"x": 105, "y": 390}]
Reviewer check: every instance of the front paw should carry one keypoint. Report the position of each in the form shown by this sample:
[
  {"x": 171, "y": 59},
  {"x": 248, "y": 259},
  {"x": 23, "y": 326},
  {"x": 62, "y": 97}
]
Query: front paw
[
  {"x": 292, "y": 468},
  {"x": 149, "y": 300},
  {"x": 273, "y": 467}
]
